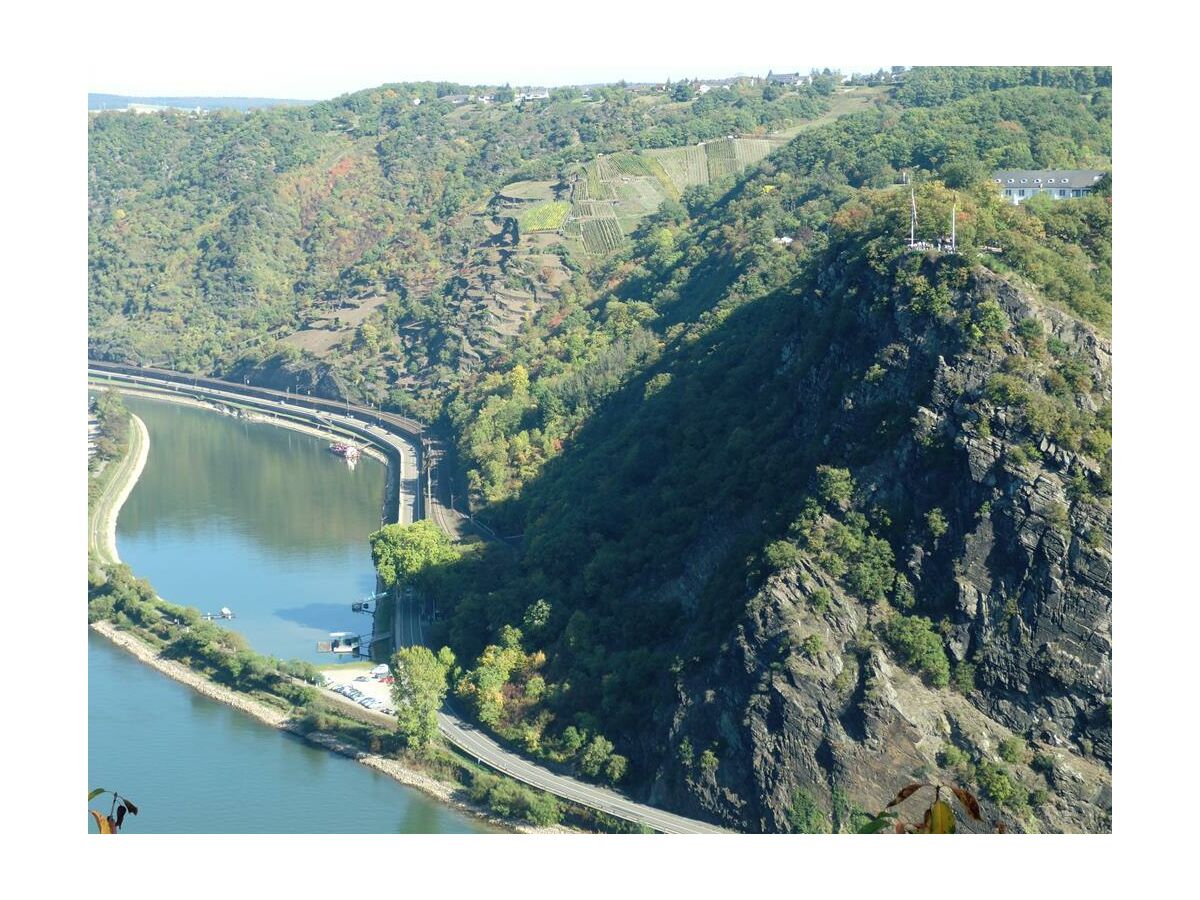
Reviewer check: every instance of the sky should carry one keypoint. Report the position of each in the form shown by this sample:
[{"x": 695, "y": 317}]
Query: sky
[{"x": 317, "y": 51}]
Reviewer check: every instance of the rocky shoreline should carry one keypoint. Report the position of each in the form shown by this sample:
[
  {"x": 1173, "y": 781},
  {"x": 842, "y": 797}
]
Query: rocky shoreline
[{"x": 442, "y": 791}]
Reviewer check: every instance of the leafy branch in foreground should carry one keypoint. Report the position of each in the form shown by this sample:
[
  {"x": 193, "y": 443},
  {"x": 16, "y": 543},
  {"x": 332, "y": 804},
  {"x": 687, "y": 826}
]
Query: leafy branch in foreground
[
  {"x": 938, "y": 819},
  {"x": 111, "y": 823}
]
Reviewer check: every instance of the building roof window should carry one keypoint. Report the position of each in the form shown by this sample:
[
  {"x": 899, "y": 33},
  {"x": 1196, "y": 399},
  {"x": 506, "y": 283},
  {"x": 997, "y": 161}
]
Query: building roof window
[
  {"x": 1023, "y": 180},
  {"x": 1051, "y": 180}
]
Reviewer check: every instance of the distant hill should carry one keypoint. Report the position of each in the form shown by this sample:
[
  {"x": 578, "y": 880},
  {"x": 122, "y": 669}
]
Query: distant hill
[{"x": 98, "y": 102}]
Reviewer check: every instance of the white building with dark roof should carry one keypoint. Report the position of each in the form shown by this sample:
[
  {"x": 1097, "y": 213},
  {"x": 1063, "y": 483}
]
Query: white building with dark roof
[
  {"x": 1019, "y": 185},
  {"x": 790, "y": 78}
]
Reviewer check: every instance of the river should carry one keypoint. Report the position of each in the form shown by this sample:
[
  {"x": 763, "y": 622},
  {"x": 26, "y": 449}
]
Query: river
[{"x": 265, "y": 521}]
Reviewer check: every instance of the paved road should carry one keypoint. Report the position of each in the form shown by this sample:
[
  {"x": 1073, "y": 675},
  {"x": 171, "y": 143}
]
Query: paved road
[
  {"x": 410, "y": 631},
  {"x": 408, "y": 622}
]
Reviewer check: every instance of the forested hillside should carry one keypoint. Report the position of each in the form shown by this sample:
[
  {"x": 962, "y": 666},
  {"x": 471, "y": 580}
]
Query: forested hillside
[
  {"x": 805, "y": 513},
  {"x": 212, "y": 237}
]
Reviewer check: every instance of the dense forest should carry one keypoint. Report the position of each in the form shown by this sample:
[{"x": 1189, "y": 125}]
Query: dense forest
[{"x": 805, "y": 512}]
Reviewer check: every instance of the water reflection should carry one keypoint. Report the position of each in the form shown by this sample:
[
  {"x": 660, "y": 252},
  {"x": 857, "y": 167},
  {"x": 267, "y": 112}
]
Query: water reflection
[{"x": 257, "y": 518}]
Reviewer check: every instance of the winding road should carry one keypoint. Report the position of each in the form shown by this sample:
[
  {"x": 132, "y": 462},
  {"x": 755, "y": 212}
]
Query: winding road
[{"x": 407, "y": 443}]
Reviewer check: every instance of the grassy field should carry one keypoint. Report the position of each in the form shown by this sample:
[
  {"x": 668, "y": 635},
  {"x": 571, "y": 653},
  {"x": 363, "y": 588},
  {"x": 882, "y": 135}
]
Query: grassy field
[
  {"x": 638, "y": 197},
  {"x": 544, "y": 216},
  {"x": 840, "y": 104},
  {"x": 529, "y": 190}
]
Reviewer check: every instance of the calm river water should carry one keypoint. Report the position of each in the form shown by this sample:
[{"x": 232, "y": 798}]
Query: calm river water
[{"x": 267, "y": 522}]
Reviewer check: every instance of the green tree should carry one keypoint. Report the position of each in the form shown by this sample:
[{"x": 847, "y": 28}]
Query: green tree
[
  {"x": 536, "y": 616},
  {"x": 834, "y": 485},
  {"x": 572, "y": 740},
  {"x": 595, "y": 755},
  {"x": 921, "y": 646},
  {"x": 936, "y": 520},
  {"x": 411, "y": 552},
  {"x": 615, "y": 768},
  {"x": 781, "y": 555},
  {"x": 418, "y": 692}
]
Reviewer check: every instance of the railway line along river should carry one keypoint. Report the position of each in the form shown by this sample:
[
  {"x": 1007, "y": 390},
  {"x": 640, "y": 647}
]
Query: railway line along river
[{"x": 267, "y": 522}]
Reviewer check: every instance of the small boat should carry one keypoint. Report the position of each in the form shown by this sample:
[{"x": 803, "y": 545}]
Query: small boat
[
  {"x": 343, "y": 642},
  {"x": 348, "y": 452}
]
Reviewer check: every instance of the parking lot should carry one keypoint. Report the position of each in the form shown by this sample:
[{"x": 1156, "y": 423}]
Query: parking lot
[{"x": 363, "y": 688}]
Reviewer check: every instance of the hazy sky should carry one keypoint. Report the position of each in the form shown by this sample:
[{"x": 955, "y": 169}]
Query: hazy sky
[{"x": 313, "y": 51}]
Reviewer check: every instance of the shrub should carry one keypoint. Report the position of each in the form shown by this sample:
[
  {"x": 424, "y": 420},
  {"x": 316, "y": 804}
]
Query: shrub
[
  {"x": 781, "y": 555},
  {"x": 805, "y": 816},
  {"x": 935, "y": 519},
  {"x": 1044, "y": 763},
  {"x": 1058, "y": 515},
  {"x": 985, "y": 324},
  {"x": 812, "y": 645},
  {"x": 709, "y": 762},
  {"x": 543, "y": 809},
  {"x": 871, "y": 575},
  {"x": 964, "y": 677},
  {"x": 903, "y": 595},
  {"x": 834, "y": 485},
  {"x": 1031, "y": 333},
  {"x": 951, "y": 757},
  {"x": 513, "y": 800},
  {"x": 998, "y": 784},
  {"x": 1012, "y": 750},
  {"x": 686, "y": 755},
  {"x": 921, "y": 647},
  {"x": 820, "y": 598}
]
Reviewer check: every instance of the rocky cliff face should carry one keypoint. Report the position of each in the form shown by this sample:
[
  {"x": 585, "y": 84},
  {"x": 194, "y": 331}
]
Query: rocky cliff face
[{"x": 806, "y": 707}]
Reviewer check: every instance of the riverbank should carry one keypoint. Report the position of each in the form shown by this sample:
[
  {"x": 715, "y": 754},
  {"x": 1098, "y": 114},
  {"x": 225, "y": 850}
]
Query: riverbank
[
  {"x": 102, "y": 530},
  {"x": 141, "y": 623},
  {"x": 444, "y": 792}
]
